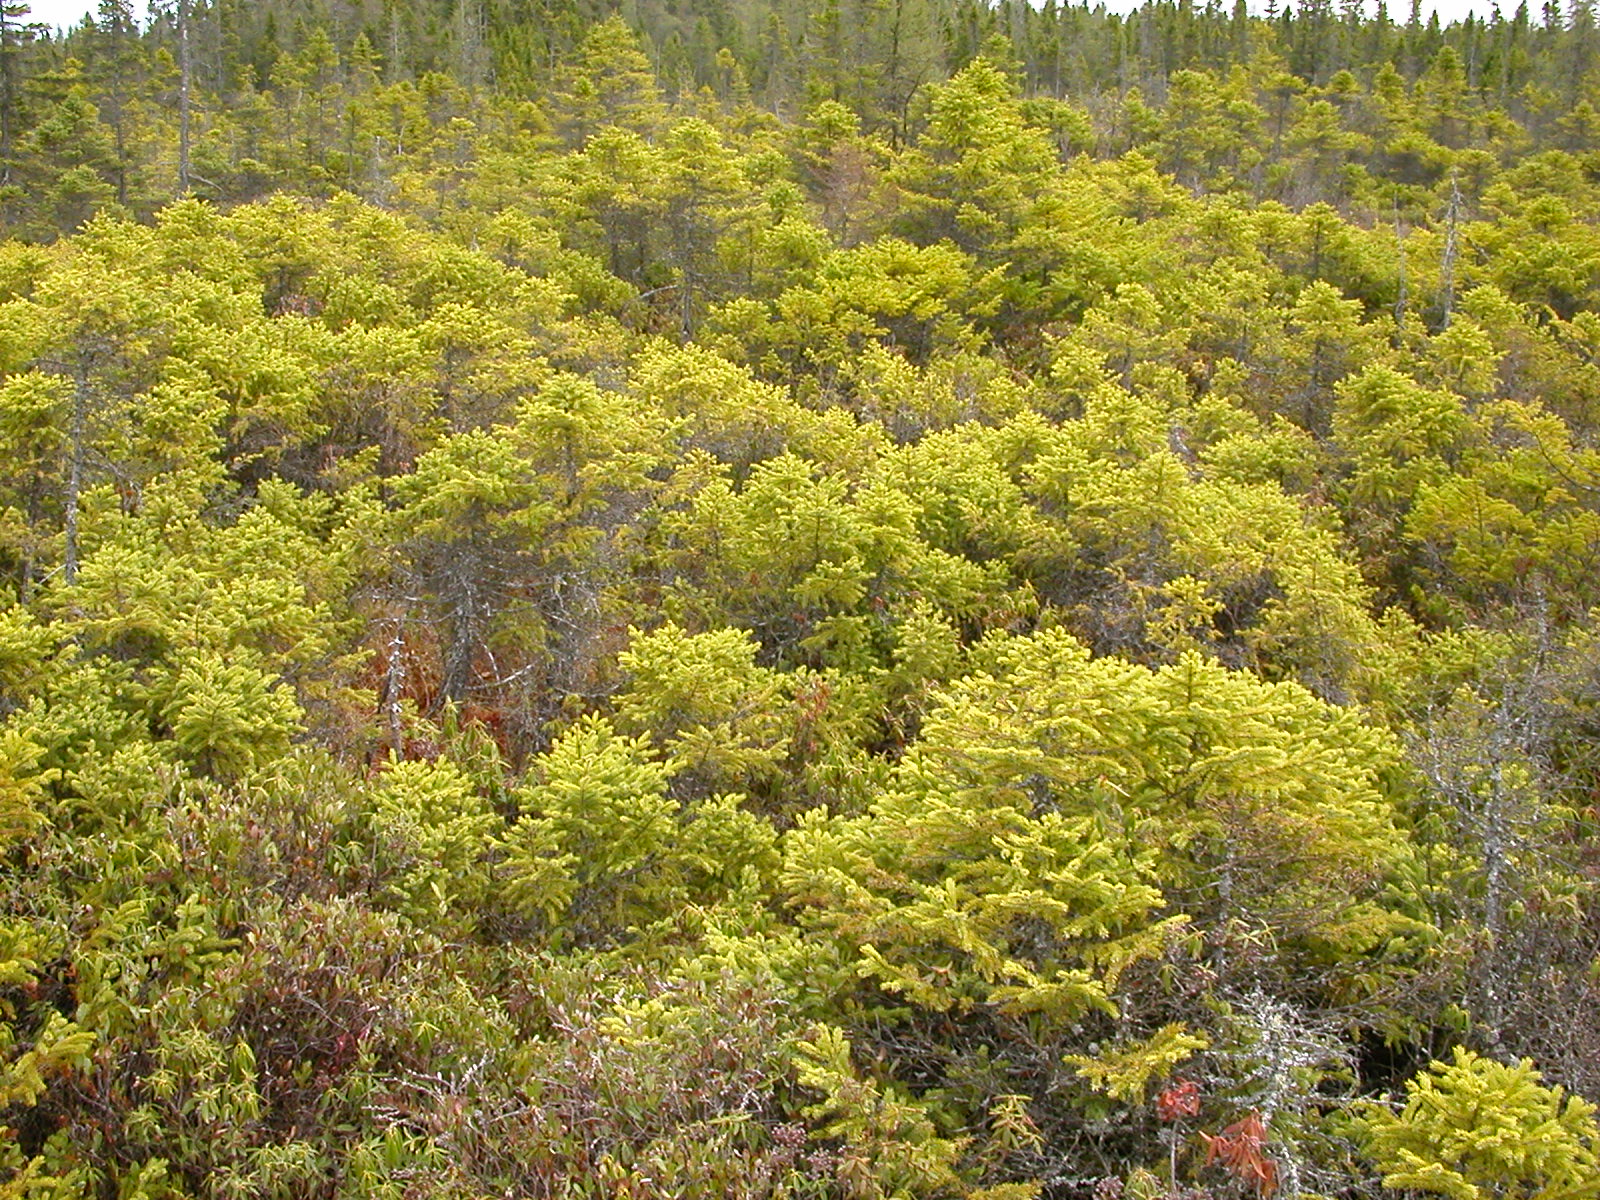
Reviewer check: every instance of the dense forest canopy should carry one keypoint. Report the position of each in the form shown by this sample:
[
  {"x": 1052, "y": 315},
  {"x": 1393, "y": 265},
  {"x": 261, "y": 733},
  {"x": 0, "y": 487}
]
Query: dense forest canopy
[{"x": 799, "y": 598}]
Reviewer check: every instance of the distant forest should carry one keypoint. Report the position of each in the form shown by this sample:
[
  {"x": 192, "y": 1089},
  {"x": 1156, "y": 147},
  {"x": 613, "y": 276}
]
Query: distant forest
[{"x": 231, "y": 100}]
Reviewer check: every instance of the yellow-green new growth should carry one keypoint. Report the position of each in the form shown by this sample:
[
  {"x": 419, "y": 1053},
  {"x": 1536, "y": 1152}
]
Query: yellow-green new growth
[{"x": 1476, "y": 1129}]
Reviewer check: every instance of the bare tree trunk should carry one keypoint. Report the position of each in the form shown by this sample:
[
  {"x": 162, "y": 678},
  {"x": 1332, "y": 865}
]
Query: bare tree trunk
[
  {"x": 1403, "y": 298},
  {"x": 394, "y": 683},
  {"x": 10, "y": 45},
  {"x": 1447, "y": 264},
  {"x": 1495, "y": 854},
  {"x": 462, "y": 648},
  {"x": 391, "y": 71},
  {"x": 80, "y": 416},
  {"x": 185, "y": 80}
]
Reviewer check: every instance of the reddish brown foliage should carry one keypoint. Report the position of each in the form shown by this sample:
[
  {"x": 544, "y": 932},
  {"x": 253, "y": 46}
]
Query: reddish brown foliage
[
  {"x": 1178, "y": 1101},
  {"x": 1239, "y": 1149}
]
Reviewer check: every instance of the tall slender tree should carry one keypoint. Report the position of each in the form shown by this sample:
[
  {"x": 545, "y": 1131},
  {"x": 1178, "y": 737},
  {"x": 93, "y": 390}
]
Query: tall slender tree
[
  {"x": 16, "y": 31},
  {"x": 117, "y": 31}
]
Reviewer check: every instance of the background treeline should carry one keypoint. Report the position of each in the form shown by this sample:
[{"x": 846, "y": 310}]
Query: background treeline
[
  {"x": 789, "y": 634},
  {"x": 233, "y": 100}
]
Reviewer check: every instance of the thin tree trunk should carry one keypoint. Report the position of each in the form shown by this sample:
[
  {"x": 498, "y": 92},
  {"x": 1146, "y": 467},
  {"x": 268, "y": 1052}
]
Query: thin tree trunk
[
  {"x": 394, "y": 684},
  {"x": 185, "y": 80},
  {"x": 8, "y": 88},
  {"x": 464, "y": 619},
  {"x": 80, "y": 416},
  {"x": 1403, "y": 298},
  {"x": 1447, "y": 264}
]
